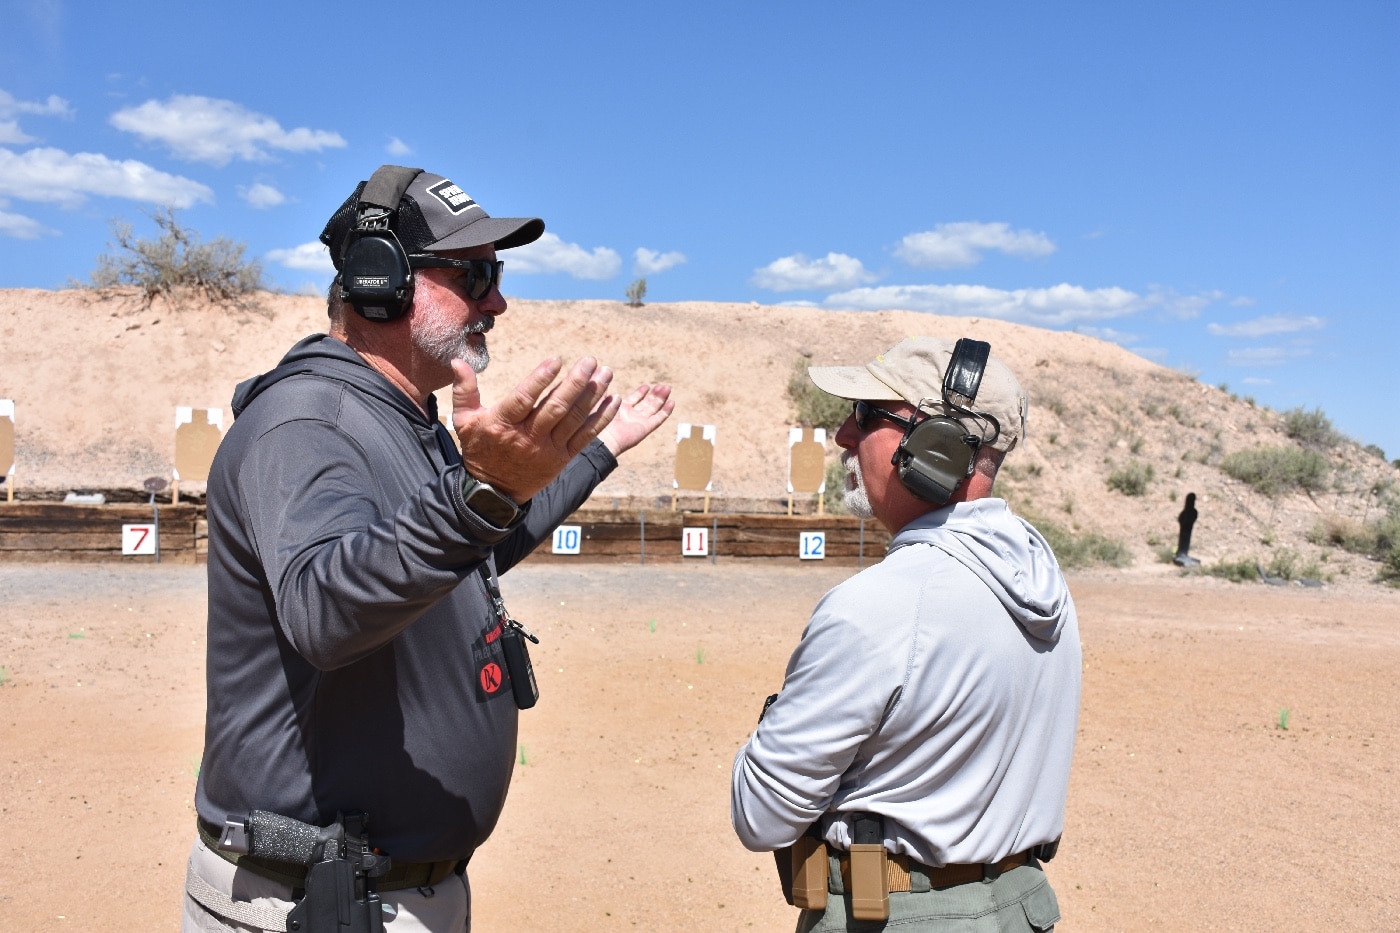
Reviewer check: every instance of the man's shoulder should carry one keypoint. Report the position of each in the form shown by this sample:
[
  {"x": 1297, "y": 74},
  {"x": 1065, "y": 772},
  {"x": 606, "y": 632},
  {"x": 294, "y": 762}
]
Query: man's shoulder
[{"x": 299, "y": 397}]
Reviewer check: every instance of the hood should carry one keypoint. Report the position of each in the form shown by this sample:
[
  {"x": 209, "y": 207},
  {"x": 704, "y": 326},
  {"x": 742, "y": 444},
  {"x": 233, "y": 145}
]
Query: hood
[
  {"x": 1006, "y": 553},
  {"x": 325, "y": 356}
]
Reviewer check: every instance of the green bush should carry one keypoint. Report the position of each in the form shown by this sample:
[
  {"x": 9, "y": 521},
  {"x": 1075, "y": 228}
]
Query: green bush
[
  {"x": 1237, "y": 571},
  {"x": 1276, "y": 470},
  {"x": 811, "y": 406},
  {"x": 636, "y": 292},
  {"x": 1081, "y": 550},
  {"x": 1133, "y": 479},
  {"x": 1379, "y": 539},
  {"x": 1310, "y": 428},
  {"x": 834, "y": 498},
  {"x": 177, "y": 260}
]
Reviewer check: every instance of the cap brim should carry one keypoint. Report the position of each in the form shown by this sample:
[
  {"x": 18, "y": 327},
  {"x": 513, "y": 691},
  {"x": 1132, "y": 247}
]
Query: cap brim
[
  {"x": 502, "y": 232},
  {"x": 852, "y": 382}
]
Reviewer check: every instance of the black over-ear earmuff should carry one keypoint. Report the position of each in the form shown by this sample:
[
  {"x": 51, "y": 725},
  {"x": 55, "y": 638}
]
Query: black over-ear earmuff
[
  {"x": 375, "y": 277},
  {"x": 937, "y": 453}
]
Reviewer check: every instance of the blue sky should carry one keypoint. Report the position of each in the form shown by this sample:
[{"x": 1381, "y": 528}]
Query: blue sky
[{"x": 1215, "y": 186}]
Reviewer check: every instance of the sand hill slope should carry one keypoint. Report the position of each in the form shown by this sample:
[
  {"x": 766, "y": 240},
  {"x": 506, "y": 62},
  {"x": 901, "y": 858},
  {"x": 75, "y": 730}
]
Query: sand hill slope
[{"x": 95, "y": 381}]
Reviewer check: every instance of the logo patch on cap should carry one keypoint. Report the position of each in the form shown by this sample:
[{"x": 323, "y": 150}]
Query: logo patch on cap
[{"x": 453, "y": 198}]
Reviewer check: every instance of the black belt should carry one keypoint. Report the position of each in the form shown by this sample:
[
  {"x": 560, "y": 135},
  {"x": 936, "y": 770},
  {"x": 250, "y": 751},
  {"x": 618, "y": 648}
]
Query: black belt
[{"x": 400, "y": 876}]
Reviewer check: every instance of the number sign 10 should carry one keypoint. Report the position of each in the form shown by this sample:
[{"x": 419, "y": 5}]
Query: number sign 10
[{"x": 567, "y": 539}]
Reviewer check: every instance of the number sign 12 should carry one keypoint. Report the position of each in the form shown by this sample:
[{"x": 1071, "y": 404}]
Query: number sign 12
[{"x": 812, "y": 545}]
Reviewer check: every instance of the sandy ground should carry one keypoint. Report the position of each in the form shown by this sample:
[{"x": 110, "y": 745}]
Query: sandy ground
[{"x": 1190, "y": 808}]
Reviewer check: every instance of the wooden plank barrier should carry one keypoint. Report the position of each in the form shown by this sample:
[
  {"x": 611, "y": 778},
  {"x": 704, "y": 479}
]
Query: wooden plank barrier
[
  {"x": 616, "y": 537},
  {"x": 34, "y": 532},
  {"x": 54, "y": 531}
]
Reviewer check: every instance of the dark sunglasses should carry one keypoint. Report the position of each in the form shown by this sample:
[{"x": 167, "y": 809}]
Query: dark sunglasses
[
  {"x": 481, "y": 274},
  {"x": 864, "y": 413}
]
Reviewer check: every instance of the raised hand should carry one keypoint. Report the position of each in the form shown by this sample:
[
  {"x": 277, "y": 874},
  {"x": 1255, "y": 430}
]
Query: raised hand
[
  {"x": 640, "y": 413},
  {"x": 520, "y": 444}
]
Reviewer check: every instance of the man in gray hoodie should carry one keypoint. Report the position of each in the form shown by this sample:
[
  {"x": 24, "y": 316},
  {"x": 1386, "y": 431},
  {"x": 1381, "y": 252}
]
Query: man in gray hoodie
[
  {"x": 928, "y": 714},
  {"x": 357, "y": 650}
]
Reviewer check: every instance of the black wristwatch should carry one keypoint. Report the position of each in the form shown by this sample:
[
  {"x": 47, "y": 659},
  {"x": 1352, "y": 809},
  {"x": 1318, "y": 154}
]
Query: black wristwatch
[{"x": 488, "y": 503}]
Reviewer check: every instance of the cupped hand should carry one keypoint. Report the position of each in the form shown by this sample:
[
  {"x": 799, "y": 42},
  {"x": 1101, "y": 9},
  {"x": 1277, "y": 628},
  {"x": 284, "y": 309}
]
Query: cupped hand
[
  {"x": 520, "y": 444},
  {"x": 641, "y": 413}
]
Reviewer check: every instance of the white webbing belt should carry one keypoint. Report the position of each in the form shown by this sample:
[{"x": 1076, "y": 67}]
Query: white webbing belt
[{"x": 245, "y": 912}]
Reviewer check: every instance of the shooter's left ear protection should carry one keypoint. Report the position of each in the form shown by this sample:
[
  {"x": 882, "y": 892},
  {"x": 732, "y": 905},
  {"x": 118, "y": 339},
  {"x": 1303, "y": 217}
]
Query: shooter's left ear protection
[{"x": 937, "y": 453}]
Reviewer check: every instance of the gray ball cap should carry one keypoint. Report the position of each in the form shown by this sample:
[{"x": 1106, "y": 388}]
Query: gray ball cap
[
  {"x": 912, "y": 371},
  {"x": 435, "y": 215}
]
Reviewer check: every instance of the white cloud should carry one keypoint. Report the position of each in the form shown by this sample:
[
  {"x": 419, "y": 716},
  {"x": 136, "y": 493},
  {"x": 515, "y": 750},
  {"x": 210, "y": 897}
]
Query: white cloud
[
  {"x": 955, "y": 245},
  {"x": 21, "y": 227},
  {"x": 549, "y": 254},
  {"x": 1181, "y": 306},
  {"x": 650, "y": 262},
  {"x": 1119, "y": 337},
  {"x": 1243, "y": 301},
  {"x": 309, "y": 257},
  {"x": 1058, "y": 306},
  {"x": 1265, "y": 326},
  {"x": 261, "y": 196},
  {"x": 12, "y": 135},
  {"x": 205, "y": 129},
  {"x": 1265, "y": 356},
  {"x": 55, "y": 176},
  {"x": 55, "y": 106},
  {"x": 10, "y": 132},
  {"x": 397, "y": 147},
  {"x": 797, "y": 272}
]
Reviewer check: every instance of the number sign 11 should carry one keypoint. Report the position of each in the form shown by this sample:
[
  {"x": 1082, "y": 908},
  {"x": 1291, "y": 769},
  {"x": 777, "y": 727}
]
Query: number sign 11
[{"x": 695, "y": 542}]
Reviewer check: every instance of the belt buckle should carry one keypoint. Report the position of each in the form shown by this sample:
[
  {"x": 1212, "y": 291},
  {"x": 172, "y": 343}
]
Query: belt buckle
[{"x": 991, "y": 872}]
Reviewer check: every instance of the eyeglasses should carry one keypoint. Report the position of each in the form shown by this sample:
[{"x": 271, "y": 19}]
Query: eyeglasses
[
  {"x": 481, "y": 274},
  {"x": 864, "y": 413}
]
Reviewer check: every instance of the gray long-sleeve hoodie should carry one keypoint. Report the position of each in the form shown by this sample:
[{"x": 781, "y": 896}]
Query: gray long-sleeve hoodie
[
  {"x": 938, "y": 688},
  {"x": 354, "y": 660}
]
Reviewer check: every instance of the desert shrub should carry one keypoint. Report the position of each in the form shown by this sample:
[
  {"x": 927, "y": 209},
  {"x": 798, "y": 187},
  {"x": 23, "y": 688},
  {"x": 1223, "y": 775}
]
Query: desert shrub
[
  {"x": 834, "y": 497},
  {"x": 176, "y": 260},
  {"x": 1284, "y": 564},
  {"x": 636, "y": 292},
  {"x": 1276, "y": 470},
  {"x": 811, "y": 406},
  {"x": 1081, "y": 550},
  {"x": 1310, "y": 428},
  {"x": 1132, "y": 480},
  {"x": 1237, "y": 571},
  {"x": 1375, "y": 450},
  {"x": 1379, "y": 539}
]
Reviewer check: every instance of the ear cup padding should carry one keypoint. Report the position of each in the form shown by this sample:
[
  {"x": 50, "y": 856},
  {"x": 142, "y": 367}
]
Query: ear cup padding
[{"x": 935, "y": 458}]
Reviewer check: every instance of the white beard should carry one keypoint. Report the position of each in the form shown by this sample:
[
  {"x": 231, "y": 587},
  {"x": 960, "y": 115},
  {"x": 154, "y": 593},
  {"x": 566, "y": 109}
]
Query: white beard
[
  {"x": 445, "y": 344},
  {"x": 856, "y": 500}
]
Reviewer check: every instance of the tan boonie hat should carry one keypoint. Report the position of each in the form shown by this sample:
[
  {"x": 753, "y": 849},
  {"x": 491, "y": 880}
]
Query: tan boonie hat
[{"x": 912, "y": 371}]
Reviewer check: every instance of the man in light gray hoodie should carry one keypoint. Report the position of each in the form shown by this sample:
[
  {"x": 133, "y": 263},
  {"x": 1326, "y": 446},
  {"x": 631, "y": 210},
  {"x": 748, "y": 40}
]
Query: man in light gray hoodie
[{"x": 929, "y": 712}]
